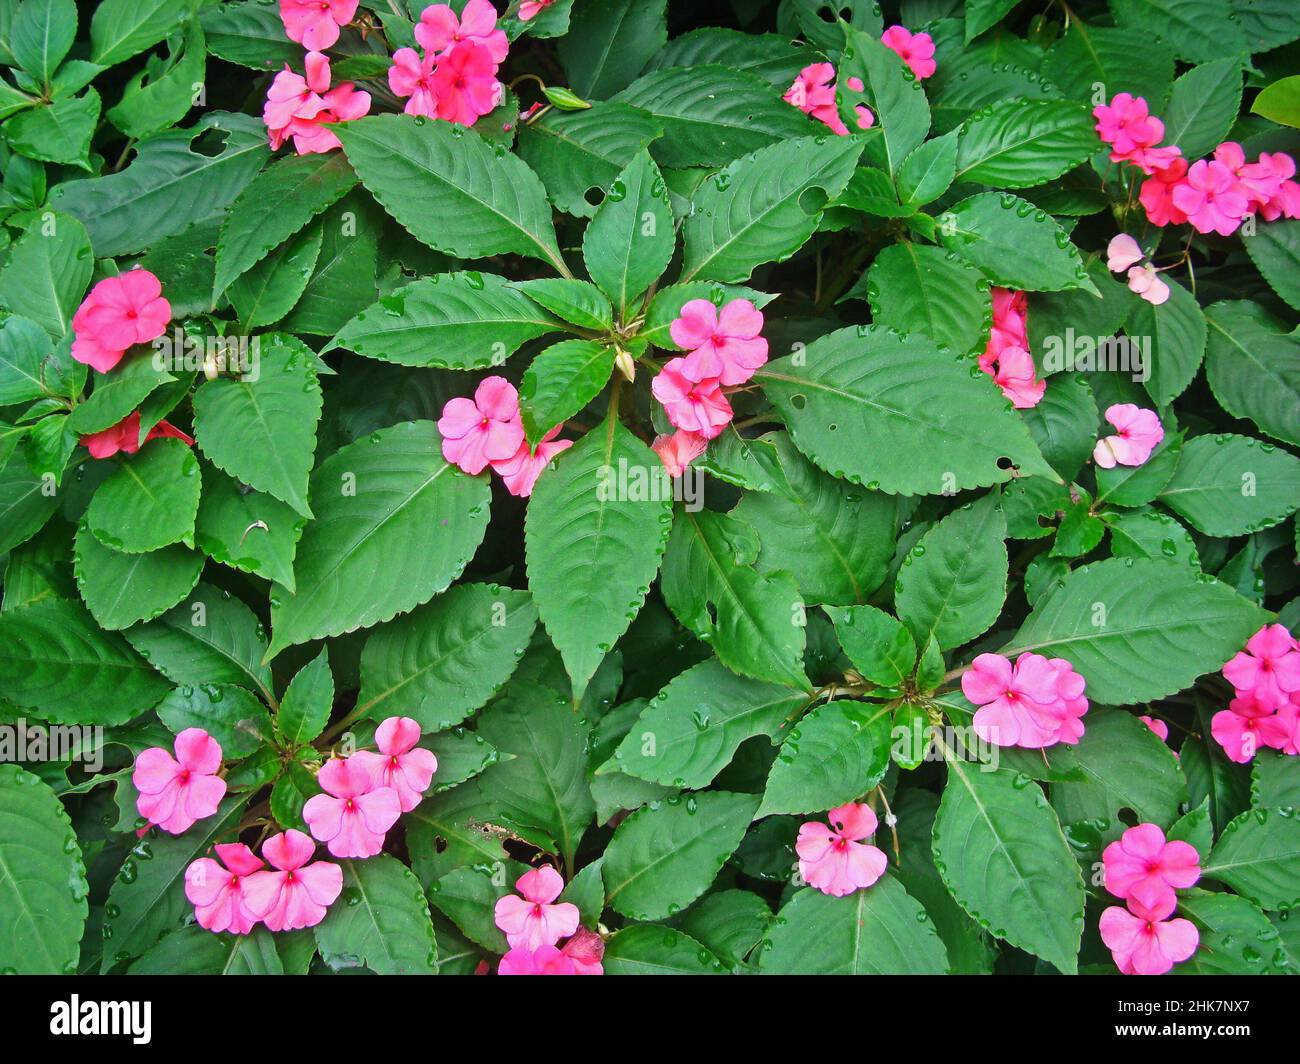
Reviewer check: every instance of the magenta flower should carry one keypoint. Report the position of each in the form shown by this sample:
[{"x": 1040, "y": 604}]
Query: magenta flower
[
  {"x": 530, "y": 9},
  {"x": 400, "y": 764},
  {"x": 1145, "y": 869},
  {"x": 1010, "y": 326},
  {"x": 1139, "y": 433},
  {"x": 1128, "y": 126},
  {"x": 1157, "y": 194},
  {"x": 1268, "y": 670},
  {"x": 697, "y": 406},
  {"x": 466, "y": 85},
  {"x": 520, "y": 471},
  {"x": 1159, "y": 727},
  {"x": 1268, "y": 183},
  {"x": 1146, "y": 943},
  {"x": 175, "y": 792},
  {"x": 1034, "y": 704},
  {"x": 1212, "y": 198},
  {"x": 833, "y": 859},
  {"x": 354, "y": 815},
  {"x": 217, "y": 892},
  {"x": 532, "y": 921},
  {"x": 813, "y": 92},
  {"x": 915, "y": 49},
  {"x": 116, "y": 314},
  {"x": 412, "y": 76},
  {"x": 725, "y": 345},
  {"x": 303, "y": 108},
  {"x": 679, "y": 450},
  {"x": 1016, "y": 376},
  {"x": 315, "y": 23},
  {"x": 482, "y": 430},
  {"x": 586, "y": 950},
  {"x": 439, "y": 30},
  {"x": 544, "y": 960},
  {"x": 1246, "y": 726},
  {"x": 296, "y": 894},
  {"x": 124, "y": 437}
]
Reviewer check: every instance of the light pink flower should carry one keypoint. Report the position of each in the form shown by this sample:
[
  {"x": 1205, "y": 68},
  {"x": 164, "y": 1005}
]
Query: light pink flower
[
  {"x": 400, "y": 764},
  {"x": 116, "y": 314},
  {"x": 530, "y": 9},
  {"x": 296, "y": 894},
  {"x": 697, "y": 406},
  {"x": 124, "y": 437},
  {"x": 353, "y": 816},
  {"x": 833, "y": 859},
  {"x": 725, "y": 344},
  {"x": 1151, "y": 160},
  {"x": 679, "y": 450},
  {"x": 1146, "y": 944},
  {"x": 1036, "y": 703},
  {"x": 1268, "y": 183},
  {"x": 1145, "y": 869},
  {"x": 865, "y": 118},
  {"x": 1246, "y": 726},
  {"x": 1122, "y": 252},
  {"x": 1128, "y": 126},
  {"x": 813, "y": 92},
  {"x": 545, "y": 960},
  {"x": 439, "y": 30},
  {"x": 412, "y": 76},
  {"x": 1015, "y": 375},
  {"x": 315, "y": 23},
  {"x": 175, "y": 792},
  {"x": 1157, "y": 194},
  {"x": 915, "y": 49},
  {"x": 1268, "y": 670},
  {"x": 465, "y": 84},
  {"x": 1140, "y": 433},
  {"x": 1159, "y": 727},
  {"x": 1213, "y": 200},
  {"x": 217, "y": 892},
  {"x": 519, "y": 472},
  {"x": 532, "y": 921},
  {"x": 1146, "y": 282},
  {"x": 586, "y": 950},
  {"x": 485, "y": 429}
]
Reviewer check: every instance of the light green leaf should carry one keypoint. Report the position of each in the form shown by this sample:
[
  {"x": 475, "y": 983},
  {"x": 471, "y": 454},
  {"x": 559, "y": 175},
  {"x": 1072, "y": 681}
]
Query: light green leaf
[
  {"x": 48, "y": 272},
  {"x": 1018, "y": 143},
  {"x": 380, "y": 922},
  {"x": 150, "y": 502},
  {"x": 1258, "y": 855},
  {"x": 914, "y": 288},
  {"x": 630, "y": 241},
  {"x": 559, "y": 382}
]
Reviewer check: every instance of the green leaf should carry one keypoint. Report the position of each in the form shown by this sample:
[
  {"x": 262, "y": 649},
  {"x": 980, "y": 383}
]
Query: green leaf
[
  {"x": 1138, "y": 485},
  {"x": 445, "y": 832},
  {"x": 1258, "y": 855},
  {"x": 28, "y": 363},
  {"x": 1001, "y": 852},
  {"x": 1274, "y": 781},
  {"x": 579, "y": 302},
  {"x": 308, "y": 701},
  {"x": 451, "y": 189},
  {"x": 1015, "y": 244},
  {"x": 560, "y": 381},
  {"x": 468, "y": 897},
  {"x": 57, "y": 132},
  {"x": 729, "y": 923},
  {"x": 48, "y": 271},
  {"x": 764, "y": 206},
  {"x": 666, "y": 854},
  {"x": 195, "y": 950},
  {"x": 1229, "y": 485},
  {"x": 150, "y": 502},
  {"x": 1018, "y": 143},
  {"x": 395, "y": 524},
  {"x": 1275, "y": 250},
  {"x": 1088, "y": 54},
  {"x": 835, "y": 754},
  {"x": 953, "y": 582},
  {"x": 928, "y": 170},
  {"x": 170, "y": 92},
  {"x": 123, "y": 28},
  {"x": 693, "y": 727},
  {"x": 609, "y": 43},
  {"x": 648, "y": 949},
  {"x": 894, "y": 96},
  {"x": 1197, "y": 30},
  {"x": 442, "y": 661},
  {"x": 898, "y": 414},
  {"x": 250, "y": 34},
  {"x": 918, "y": 289},
  {"x": 260, "y": 428},
  {"x": 753, "y": 621},
  {"x": 117, "y": 394},
  {"x": 1253, "y": 369},
  {"x": 881, "y": 648},
  {"x": 771, "y": 56},
  {"x": 630, "y": 241},
  {"x": 41, "y": 34},
  {"x": 269, "y": 290},
  {"x": 1138, "y": 629},
  {"x": 43, "y": 890},
  {"x": 1280, "y": 102},
  {"x": 277, "y": 203},
  {"x": 878, "y": 931},
  {"x": 120, "y": 589},
  {"x": 26, "y": 502},
  {"x": 234, "y": 717},
  {"x": 345, "y": 279},
  {"x": 448, "y": 321},
  {"x": 380, "y": 922},
  {"x": 1176, "y": 333},
  {"x": 247, "y": 530},
  {"x": 1203, "y": 106},
  {"x": 1150, "y": 533},
  {"x": 1064, "y": 423},
  {"x": 1235, "y": 937},
  {"x": 595, "y": 531}
]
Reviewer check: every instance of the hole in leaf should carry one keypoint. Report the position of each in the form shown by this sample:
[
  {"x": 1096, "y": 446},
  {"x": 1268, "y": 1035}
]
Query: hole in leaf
[
  {"x": 594, "y": 196},
  {"x": 211, "y": 142},
  {"x": 811, "y": 200}
]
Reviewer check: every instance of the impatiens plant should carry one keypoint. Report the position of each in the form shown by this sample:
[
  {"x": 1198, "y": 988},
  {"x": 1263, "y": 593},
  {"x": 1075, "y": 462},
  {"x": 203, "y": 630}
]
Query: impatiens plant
[{"x": 597, "y": 487}]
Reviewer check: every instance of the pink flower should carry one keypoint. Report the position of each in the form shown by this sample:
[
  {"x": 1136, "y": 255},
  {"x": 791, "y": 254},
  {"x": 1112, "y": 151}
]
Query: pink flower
[
  {"x": 1145, "y": 869},
  {"x": 833, "y": 859},
  {"x": 1146, "y": 944},
  {"x": 1246, "y": 726},
  {"x": 1157, "y": 194},
  {"x": 915, "y": 49},
  {"x": 1268, "y": 183},
  {"x": 586, "y": 950},
  {"x": 1122, "y": 252},
  {"x": 1212, "y": 198},
  {"x": 725, "y": 345},
  {"x": 865, "y": 118},
  {"x": 465, "y": 84},
  {"x": 304, "y": 107},
  {"x": 116, "y": 314},
  {"x": 520, "y": 471},
  {"x": 1036, "y": 703},
  {"x": 1149, "y": 160},
  {"x": 482, "y": 430},
  {"x": 217, "y": 892},
  {"x": 296, "y": 894},
  {"x": 411, "y": 76},
  {"x": 1015, "y": 375},
  {"x": 1128, "y": 126},
  {"x": 1159, "y": 727},
  {"x": 1140, "y": 432},
  {"x": 1010, "y": 326},
  {"x": 531, "y": 921},
  {"x": 353, "y": 816},
  {"x": 1146, "y": 282},
  {"x": 1286, "y": 732},
  {"x": 400, "y": 764},
  {"x": 175, "y": 792},
  {"x": 813, "y": 92},
  {"x": 1268, "y": 670},
  {"x": 315, "y": 23},
  {"x": 679, "y": 450},
  {"x": 530, "y": 9},
  {"x": 697, "y": 406},
  {"x": 439, "y": 30},
  {"x": 545, "y": 960},
  {"x": 125, "y": 437}
]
